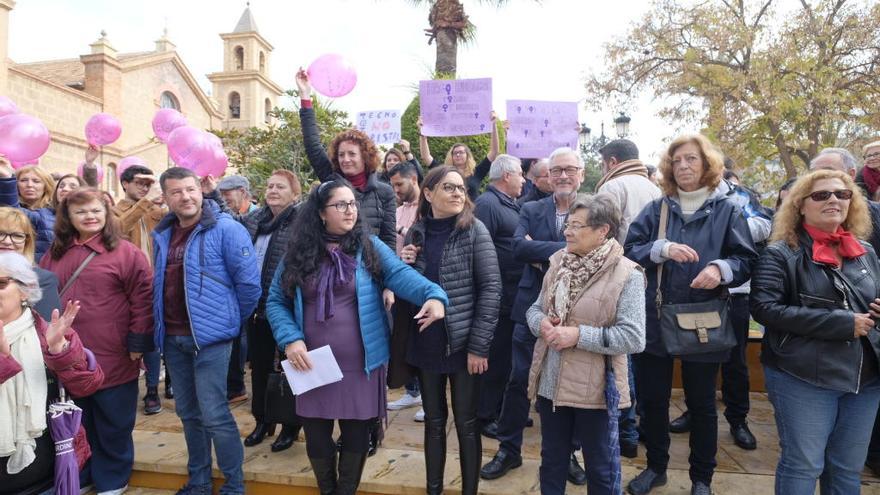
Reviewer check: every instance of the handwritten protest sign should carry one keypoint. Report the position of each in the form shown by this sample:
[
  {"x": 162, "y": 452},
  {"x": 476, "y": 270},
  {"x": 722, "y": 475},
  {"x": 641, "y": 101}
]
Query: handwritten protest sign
[
  {"x": 456, "y": 107},
  {"x": 539, "y": 127},
  {"x": 383, "y": 126}
]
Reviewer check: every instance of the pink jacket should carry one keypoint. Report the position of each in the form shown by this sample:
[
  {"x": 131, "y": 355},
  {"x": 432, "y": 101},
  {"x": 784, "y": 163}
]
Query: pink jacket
[{"x": 71, "y": 366}]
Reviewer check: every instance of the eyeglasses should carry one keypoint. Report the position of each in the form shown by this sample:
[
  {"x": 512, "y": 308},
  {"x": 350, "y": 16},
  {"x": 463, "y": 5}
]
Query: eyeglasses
[
  {"x": 569, "y": 171},
  {"x": 15, "y": 237},
  {"x": 818, "y": 196},
  {"x": 5, "y": 281},
  {"x": 459, "y": 152},
  {"x": 344, "y": 206},
  {"x": 573, "y": 226},
  {"x": 451, "y": 188},
  {"x": 871, "y": 156}
]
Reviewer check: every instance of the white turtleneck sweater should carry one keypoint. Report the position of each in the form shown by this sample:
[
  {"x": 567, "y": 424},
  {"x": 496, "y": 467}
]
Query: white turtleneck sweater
[{"x": 691, "y": 201}]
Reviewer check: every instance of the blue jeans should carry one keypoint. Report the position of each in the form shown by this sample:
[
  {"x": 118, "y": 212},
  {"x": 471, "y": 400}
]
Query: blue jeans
[
  {"x": 515, "y": 406},
  {"x": 108, "y": 417},
  {"x": 823, "y": 434},
  {"x": 627, "y": 420},
  {"x": 153, "y": 363},
  {"x": 199, "y": 377}
]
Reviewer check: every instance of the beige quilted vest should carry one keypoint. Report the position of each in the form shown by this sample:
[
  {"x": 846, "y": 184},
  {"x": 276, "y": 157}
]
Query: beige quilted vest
[{"x": 581, "y": 381}]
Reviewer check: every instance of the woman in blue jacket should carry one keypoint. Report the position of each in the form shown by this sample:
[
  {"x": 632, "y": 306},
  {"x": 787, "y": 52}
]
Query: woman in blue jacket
[
  {"x": 329, "y": 292},
  {"x": 707, "y": 246}
]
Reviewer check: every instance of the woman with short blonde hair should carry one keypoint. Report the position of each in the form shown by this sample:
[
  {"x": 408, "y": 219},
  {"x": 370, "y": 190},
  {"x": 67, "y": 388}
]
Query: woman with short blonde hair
[{"x": 31, "y": 189}]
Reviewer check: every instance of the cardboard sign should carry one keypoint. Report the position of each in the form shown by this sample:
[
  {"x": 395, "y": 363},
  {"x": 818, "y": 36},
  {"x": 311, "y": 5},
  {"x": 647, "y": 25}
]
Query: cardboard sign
[
  {"x": 456, "y": 107},
  {"x": 539, "y": 127},
  {"x": 383, "y": 126}
]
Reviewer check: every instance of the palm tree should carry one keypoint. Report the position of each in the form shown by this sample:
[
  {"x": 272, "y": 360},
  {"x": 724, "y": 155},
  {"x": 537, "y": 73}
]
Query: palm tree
[{"x": 449, "y": 26}]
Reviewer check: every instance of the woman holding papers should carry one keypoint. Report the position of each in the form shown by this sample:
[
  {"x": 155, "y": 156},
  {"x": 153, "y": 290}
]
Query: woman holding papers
[
  {"x": 451, "y": 247},
  {"x": 328, "y": 292}
]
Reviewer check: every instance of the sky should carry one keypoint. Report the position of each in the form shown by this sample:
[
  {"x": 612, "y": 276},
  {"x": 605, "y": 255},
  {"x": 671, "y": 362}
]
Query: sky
[{"x": 540, "y": 51}]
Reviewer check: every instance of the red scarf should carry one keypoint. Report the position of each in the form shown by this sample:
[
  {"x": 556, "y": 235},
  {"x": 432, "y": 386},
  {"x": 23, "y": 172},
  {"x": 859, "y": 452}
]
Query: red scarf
[
  {"x": 359, "y": 181},
  {"x": 826, "y": 246},
  {"x": 871, "y": 177}
]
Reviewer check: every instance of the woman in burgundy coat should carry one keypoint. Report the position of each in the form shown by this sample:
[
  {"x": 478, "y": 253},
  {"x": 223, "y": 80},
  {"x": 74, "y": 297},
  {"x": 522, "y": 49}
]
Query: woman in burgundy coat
[
  {"x": 115, "y": 322},
  {"x": 34, "y": 356}
]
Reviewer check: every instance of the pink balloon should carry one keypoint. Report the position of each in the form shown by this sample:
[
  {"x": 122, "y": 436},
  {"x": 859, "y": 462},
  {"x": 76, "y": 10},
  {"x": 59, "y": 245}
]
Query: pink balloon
[
  {"x": 191, "y": 148},
  {"x": 7, "y": 106},
  {"x": 23, "y": 137},
  {"x": 79, "y": 171},
  {"x": 218, "y": 165},
  {"x": 18, "y": 165},
  {"x": 332, "y": 75},
  {"x": 165, "y": 121},
  {"x": 102, "y": 129},
  {"x": 128, "y": 162}
]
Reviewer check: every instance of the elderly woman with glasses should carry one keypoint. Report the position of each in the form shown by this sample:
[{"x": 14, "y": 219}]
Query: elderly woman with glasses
[
  {"x": 34, "y": 356},
  {"x": 17, "y": 235},
  {"x": 816, "y": 290},
  {"x": 591, "y": 309}
]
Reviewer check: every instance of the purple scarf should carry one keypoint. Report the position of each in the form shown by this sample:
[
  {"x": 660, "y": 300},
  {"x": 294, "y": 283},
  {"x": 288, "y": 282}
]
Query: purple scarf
[{"x": 335, "y": 272}]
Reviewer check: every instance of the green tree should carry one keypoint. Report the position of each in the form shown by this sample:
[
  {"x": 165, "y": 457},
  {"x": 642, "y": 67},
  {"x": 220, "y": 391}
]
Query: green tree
[
  {"x": 258, "y": 151},
  {"x": 770, "y": 83}
]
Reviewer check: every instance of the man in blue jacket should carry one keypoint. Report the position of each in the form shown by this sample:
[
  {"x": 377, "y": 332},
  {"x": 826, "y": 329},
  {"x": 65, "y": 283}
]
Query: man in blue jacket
[
  {"x": 537, "y": 237},
  {"x": 206, "y": 281}
]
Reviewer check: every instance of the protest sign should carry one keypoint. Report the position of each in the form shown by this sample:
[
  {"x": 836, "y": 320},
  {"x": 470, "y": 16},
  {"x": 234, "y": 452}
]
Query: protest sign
[
  {"x": 456, "y": 107},
  {"x": 539, "y": 127},
  {"x": 383, "y": 126}
]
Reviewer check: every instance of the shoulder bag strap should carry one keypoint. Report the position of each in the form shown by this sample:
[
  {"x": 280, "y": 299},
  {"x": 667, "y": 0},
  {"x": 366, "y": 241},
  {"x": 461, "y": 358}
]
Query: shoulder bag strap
[
  {"x": 661, "y": 234},
  {"x": 72, "y": 279}
]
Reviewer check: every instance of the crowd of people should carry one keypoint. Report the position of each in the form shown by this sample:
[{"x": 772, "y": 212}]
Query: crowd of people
[{"x": 499, "y": 281}]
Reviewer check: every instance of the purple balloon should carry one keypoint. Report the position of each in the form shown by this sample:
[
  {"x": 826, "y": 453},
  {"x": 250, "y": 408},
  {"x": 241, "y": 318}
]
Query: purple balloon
[
  {"x": 191, "y": 148},
  {"x": 7, "y": 106},
  {"x": 165, "y": 121},
  {"x": 102, "y": 129},
  {"x": 23, "y": 138},
  {"x": 79, "y": 172},
  {"x": 332, "y": 75},
  {"x": 128, "y": 162}
]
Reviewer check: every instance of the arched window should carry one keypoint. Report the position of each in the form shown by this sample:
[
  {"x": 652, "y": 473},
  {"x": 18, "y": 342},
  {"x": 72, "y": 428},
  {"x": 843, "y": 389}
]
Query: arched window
[
  {"x": 234, "y": 105},
  {"x": 168, "y": 100},
  {"x": 239, "y": 58},
  {"x": 262, "y": 62},
  {"x": 268, "y": 111}
]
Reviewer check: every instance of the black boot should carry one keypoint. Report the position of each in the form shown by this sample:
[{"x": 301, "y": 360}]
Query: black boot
[
  {"x": 261, "y": 431},
  {"x": 374, "y": 437},
  {"x": 285, "y": 439},
  {"x": 435, "y": 454},
  {"x": 351, "y": 466},
  {"x": 325, "y": 474}
]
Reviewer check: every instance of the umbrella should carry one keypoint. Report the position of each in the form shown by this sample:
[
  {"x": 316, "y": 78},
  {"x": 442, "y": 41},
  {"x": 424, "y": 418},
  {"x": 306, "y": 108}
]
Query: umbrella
[
  {"x": 612, "y": 402},
  {"x": 64, "y": 422}
]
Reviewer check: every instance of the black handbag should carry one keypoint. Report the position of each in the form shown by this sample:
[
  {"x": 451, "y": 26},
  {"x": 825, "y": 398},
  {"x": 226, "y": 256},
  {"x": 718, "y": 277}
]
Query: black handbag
[
  {"x": 280, "y": 401},
  {"x": 692, "y": 328}
]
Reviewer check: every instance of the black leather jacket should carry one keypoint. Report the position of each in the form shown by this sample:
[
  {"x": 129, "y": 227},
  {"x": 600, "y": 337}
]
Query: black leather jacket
[
  {"x": 469, "y": 274},
  {"x": 807, "y": 308}
]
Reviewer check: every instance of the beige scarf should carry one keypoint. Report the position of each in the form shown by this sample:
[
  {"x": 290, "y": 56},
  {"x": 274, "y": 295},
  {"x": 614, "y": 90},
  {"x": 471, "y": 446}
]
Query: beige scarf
[
  {"x": 23, "y": 397},
  {"x": 572, "y": 277},
  {"x": 629, "y": 167}
]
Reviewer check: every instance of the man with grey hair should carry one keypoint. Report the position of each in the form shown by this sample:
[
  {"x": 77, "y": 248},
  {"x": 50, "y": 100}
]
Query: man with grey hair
[
  {"x": 236, "y": 192},
  {"x": 626, "y": 180},
  {"x": 499, "y": 212},
  {"x": 538, "y": 184}
]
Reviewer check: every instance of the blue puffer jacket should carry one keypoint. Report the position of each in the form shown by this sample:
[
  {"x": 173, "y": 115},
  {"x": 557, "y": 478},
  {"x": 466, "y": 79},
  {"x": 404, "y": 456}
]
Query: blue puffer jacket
[
  {"x": 42, "y": 220},
  {"x": 286, "y": 317},
  {"x": 220, "y": 272}
]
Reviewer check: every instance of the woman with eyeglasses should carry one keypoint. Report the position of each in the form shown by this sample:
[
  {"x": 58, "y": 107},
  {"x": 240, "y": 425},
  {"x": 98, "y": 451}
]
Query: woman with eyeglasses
[
  {"x": 17, "y": 235},
  {"x": 868, "y": 178},
  {"x": 815, "y": 288},
  {"x": 35, "y": 354},
  {"x": 451, "y": 247},
  {"x": 461, "y": 157},
  {"x": 707, "y": 247},
  {"x": 328, "y": 292},
  {"x": 114, "y": 282}
]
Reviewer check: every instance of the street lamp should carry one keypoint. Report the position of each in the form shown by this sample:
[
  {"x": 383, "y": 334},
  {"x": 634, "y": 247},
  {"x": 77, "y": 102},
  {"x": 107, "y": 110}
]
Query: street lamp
[
  {"x": 622, "y": 125},
  {"x": 584, "y": 138}
]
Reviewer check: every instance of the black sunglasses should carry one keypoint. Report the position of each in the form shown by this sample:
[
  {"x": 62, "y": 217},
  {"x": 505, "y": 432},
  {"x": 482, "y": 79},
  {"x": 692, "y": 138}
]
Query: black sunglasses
[{"x": 826, "y": 195}]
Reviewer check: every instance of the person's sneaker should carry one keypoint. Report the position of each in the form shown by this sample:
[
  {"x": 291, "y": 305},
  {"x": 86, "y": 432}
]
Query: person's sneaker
[
  {"x": 646, "y": 481},
  {"x": 118, "y": 491},
  {"x": 405, "y": 402},
  {"x": 576, "y": 473},
  {"x": 194, "y": 490},
  {"x": 420, "y": 416},
  {"x": 152, "y": 404}
]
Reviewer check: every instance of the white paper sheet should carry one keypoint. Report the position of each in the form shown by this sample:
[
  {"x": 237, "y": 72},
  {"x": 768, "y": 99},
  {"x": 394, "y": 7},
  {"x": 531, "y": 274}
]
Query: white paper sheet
[{"x": 324, "y": 370}]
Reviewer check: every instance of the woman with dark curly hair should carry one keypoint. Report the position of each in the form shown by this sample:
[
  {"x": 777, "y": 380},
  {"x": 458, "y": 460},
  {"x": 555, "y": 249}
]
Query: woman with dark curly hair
[
  {"x": 328, "y": 292},
  {"x": 114, "y": 283}
]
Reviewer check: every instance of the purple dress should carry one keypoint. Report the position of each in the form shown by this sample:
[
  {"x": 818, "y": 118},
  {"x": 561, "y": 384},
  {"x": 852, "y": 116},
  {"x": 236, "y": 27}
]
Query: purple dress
[{"x": 358, "y": 395}]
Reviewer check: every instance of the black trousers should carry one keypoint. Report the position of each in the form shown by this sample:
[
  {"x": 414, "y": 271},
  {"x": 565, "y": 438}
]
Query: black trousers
[
  {"x": 465, "y": 393},
  {"x": 319, "y": 436},
  {"x": 261, "y": 351},
  {"x": 654, "y": 379},
  {"x": 494, "y": 381},
  {"x": 735, "y": 372},
  {"x": 235, "y": 373}
]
